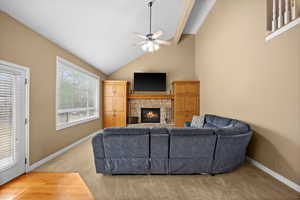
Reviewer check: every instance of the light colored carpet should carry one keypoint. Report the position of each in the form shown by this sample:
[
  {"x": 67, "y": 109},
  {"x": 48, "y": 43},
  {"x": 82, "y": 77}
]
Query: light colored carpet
[{"x": 246, "y": 183}]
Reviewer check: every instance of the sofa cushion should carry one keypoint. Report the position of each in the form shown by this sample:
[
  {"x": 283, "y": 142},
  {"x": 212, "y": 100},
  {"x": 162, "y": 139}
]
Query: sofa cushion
[
  {"x": 159, "y": 130},
  {"x": 192, "y": 146},
  {"x": 197, "y": 121},
  {"x": 126, "y": 145},
  {"x": 234, "y": 128},
  {"x": 193, "y": 131},
  {"x": 127, "y": 130},
  {"x": 209, "y": 126},
  {"x": 241, "y": 126},
  {"x": 217, "y": 121},
  {"x": 159, "y": 145}
]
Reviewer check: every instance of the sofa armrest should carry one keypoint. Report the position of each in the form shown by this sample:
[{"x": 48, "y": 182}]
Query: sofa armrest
[
  {"x": 187, "y": 124},
  {"x": 98, "y": 146},
  {"x": 99, "y": 154},
  {"x": 230, "y": 152}
]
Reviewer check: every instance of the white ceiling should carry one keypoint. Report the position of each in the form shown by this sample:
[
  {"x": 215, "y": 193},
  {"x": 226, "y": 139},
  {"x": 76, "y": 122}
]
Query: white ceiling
[{"x": 100, "y": 32}]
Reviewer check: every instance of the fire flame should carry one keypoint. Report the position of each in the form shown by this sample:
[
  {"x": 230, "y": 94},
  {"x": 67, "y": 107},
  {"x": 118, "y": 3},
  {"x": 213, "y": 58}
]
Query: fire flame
[{"x": 151, "y": 114}]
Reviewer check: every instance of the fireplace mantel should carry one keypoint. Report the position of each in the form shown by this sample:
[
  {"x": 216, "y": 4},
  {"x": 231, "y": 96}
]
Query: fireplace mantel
[{"x": 150, "y": 96}]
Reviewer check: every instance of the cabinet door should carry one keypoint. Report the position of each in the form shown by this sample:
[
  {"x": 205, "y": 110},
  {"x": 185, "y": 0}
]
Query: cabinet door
[
  {"x": 120, "y": 90},
  {"x": 180, "y": 118},
  {"x": 191, "y": 103},
  {"x": 186, "y": 103},
  {"x": 180, "y": 89},
  {"x": 119, "y": 119},
  {"x": 192, "y": 89},
  {"x": 189, "y": 116},
  {"x": 108, "y": 90},
  {"x": 183, "y": 116},
  {"x": 186, "y": 89},
  {"x": 108, "y": 103},
  {"x": 108, "y": 119},
  {"x": 179, "y": 103},
  {"x": 119, "y": 104},
  {"x": 115, "y": 103}
]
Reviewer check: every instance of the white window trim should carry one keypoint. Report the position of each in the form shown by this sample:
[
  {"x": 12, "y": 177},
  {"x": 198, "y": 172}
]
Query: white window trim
[{"x": 60, "y": 60}]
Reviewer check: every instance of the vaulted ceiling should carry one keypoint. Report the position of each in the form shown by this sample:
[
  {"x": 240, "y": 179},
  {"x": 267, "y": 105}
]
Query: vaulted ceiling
[{"x": 101, "y": 32}]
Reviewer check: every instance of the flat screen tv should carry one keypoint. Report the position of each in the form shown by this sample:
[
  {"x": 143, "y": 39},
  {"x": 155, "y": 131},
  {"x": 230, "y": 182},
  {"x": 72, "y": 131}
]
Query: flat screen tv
[{"x": 150, "y": 81}]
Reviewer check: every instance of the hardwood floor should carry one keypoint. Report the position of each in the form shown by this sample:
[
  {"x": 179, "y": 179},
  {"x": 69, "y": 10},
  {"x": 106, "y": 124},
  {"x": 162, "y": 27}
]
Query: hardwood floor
[{"x": 46, "y": 186}]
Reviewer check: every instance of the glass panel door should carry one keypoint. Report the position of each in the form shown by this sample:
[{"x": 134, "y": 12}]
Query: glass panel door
[{"x": 12, "y": 122}]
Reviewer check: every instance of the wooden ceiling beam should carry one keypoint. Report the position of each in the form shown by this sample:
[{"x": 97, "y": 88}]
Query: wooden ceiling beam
[{"x": 187, "y": 10}]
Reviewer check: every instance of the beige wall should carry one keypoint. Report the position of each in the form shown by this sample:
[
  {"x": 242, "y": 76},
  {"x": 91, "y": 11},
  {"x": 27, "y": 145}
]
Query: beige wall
[
  {"x": 20, "y": 45},
  {"x": 178, "y": 61},
  {"x": 244, "y": 77}
]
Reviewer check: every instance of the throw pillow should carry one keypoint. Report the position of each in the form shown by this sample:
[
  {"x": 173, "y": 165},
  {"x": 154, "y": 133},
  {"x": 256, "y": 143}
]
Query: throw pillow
[{"x": 197, "y": 121}]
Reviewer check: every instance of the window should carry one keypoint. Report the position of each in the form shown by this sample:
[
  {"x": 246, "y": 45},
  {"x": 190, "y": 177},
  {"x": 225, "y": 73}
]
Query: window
[{"x": 77, "y": 95}]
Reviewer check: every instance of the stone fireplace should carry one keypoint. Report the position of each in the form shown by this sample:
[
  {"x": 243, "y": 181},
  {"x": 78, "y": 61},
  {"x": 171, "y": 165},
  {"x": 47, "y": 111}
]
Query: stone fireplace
[
  {"x": 150, "y": 115},
  {"x": 137, "y": 106}
]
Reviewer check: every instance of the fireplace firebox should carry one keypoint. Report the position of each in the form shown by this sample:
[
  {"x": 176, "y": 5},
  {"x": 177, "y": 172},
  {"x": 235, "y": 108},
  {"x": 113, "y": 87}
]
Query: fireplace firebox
[{"x": 150, "y": 115}]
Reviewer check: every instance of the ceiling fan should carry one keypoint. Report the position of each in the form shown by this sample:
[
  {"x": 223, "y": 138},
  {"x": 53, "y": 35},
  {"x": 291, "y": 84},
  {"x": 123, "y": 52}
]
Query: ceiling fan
[{"x": 151, "y": 41}]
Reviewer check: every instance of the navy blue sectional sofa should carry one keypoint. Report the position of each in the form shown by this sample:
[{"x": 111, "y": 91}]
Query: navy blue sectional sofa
[{"x": 219, "y": 147}]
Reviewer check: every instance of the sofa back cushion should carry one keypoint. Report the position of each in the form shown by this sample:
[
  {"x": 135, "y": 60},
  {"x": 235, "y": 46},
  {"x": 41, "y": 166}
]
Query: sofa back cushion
[
  {"x": 191, "y": 131},
  {"x": 192, "y": 145},
  {"x": 209, "y": 126},
  {"x": 126, "y": 143},
  {"x": 216, "y": 121},
  {"x": 234, "y": 128},
  {"x": 225, "y": 126},
  {"x": 159, "y": 130},
  {"x": 127, "y": 130}
]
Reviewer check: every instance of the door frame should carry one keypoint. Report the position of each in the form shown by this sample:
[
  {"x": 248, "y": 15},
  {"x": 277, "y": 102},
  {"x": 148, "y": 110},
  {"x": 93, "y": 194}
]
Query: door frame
[{"x": 27, "y": 98}]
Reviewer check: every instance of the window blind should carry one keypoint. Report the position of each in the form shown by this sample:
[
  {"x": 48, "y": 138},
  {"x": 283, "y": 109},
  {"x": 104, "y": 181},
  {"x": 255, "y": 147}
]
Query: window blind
[
  {"x": 8, "y": 91},
  {"x": 77, "y": 95}
]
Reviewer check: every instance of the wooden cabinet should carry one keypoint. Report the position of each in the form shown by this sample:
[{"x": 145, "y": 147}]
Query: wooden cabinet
[
  {"x": 114, "y": 103},
  {"x": 186, "y": 101}
]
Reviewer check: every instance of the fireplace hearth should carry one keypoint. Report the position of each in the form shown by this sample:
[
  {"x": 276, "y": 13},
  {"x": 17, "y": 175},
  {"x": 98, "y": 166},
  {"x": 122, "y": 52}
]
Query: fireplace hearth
[{"x": 150, "y": 115}]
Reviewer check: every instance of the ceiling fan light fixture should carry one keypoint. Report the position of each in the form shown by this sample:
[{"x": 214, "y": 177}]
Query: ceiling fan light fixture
[
  {"x": 150, "y": 46},
  {"x": 145, "y": 47},
  {"x": 151, "y": 41}
]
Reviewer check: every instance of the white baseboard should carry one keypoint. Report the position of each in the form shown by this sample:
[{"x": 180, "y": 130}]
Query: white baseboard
[
  {"x": 277, "y": 176},
  {"x": 61, "y": 151}
]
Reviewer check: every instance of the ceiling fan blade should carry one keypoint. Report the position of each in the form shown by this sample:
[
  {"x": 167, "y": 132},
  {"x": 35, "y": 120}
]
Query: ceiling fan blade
[
  {"x": 140, "y": 43},
  {"x": 141, "y": 36},
  {"x": 164, "y": 42},
  {"x": 157, "y": 34}
]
